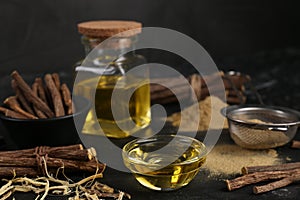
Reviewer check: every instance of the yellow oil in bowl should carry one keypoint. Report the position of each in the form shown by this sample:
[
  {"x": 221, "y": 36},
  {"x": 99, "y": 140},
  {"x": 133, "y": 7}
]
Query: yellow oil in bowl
[{"x": 166, "y": 162}]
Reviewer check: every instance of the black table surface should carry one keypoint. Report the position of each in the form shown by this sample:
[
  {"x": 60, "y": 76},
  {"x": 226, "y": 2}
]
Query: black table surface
[{"x": 280, "y": 72}]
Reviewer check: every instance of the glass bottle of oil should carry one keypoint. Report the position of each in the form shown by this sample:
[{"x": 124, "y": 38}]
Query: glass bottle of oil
[{"x": 121, "y": 95}]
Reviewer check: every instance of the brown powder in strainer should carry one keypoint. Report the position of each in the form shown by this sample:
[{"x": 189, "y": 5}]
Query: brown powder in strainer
[{"x": 228, "y": 159}]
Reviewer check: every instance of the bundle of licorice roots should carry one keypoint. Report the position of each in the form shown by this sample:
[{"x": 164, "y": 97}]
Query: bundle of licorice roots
[{"x": 172, "y": 89}]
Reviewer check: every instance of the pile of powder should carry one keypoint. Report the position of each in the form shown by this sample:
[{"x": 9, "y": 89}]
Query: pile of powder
[
  {"x": 210, "y": 116},
  {"x": 228, "y": 159}
]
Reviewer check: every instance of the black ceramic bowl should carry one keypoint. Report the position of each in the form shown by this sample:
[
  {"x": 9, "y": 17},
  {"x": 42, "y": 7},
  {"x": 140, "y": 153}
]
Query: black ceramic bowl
[{"x": 57, "y": 131}]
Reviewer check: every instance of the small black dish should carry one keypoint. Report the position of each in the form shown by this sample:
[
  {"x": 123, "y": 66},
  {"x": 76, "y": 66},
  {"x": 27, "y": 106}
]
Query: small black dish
[{"x": 57, "y": 131}]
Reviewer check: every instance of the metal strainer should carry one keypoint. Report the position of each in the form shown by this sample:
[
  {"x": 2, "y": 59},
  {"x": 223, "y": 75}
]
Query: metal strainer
[{"x": 261, "y": 126}]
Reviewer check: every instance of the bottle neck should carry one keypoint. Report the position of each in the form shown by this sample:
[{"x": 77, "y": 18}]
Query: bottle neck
[
  {"x": 116, "y": 46},
  {"x": 106, "y": 56}
]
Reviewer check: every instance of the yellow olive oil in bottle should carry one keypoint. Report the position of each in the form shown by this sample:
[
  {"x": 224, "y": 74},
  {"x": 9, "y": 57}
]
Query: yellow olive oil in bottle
[{"x": 121, "y": 98}]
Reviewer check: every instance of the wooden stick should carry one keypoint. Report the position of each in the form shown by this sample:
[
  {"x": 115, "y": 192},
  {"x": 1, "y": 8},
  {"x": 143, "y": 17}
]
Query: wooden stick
[
  {"x": 56, "y": 80},
  {"x": 24, "y": 103},
  {"x": 275, "y": 185},
  {"x": 75, "y": 165},
  {"x": 295, "y": 144},
  {"x": 14, "y": 105},
  {"x": 84, "y": 154},
  {"x": 73, "y": 152},
  {"x": 18, "y": 171},
  {"x": 235, "y": 100},
  {"x": 156, "y": 86},
  {"x": 184, "y": 91},
  {"x": 73, "y": 147},
  {"x": 41, "y": 89},
  {"x": 71, "y": 165},
  {"x": 167, "y": 93},
  {"x": 264, "y": 168},
  {"x": 172, "y": 99},
  {"x": 27, "y": 92},
  {"x": 56, "y": 97},
  {"x": 12, "y": 114},
  {"x": 159, "y": 84},
  {"x": 232, "y": 92},
  {"x": 237, "y": 81},
  {"x": 214, "y": 89},
  {"x": 38, "y": 112},
  {"x": 258, "y": 177},
  {"x": 18, "y": 153},
  {"x": 66, "y": 94}
]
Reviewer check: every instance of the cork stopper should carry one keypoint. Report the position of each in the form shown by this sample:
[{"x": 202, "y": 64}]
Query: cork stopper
[{"x": 108, "y": 28}]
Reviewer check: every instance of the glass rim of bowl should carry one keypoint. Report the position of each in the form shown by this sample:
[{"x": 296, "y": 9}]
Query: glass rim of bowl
[{"x": 135, "y": 142}]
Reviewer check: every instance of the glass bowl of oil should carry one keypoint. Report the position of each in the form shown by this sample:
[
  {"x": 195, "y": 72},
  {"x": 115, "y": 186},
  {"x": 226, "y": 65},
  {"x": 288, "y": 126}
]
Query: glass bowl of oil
[{"x": 164, "y": 162}]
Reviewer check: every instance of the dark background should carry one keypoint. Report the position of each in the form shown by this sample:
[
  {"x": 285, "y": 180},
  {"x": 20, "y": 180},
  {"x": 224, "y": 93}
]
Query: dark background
[
  {"x": 39, "y": 35},
  {"x": 257, "y": 37}
]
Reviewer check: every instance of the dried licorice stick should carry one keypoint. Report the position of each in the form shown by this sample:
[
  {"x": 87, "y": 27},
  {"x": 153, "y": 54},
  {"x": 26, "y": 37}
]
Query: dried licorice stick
[
  {"x": 295, "y": 144},
  {"x": 14, "y": 105},
  {"x": 38, "y": 112},
  {"x": 55, "y": 152},
  {"x": 272, "y": 186},
  {"x": 27, "y": 92},
  {"x": 257, "y": 177},
  {"x": 72, "y": 165},
  {"x": 12, "y": 114},
  {"x": 24, "y": 103},
  {"x": 41, "y": 89},
  {"x": 56, "y": 80},
  {"x": 66, "y": 94},
  {"x": 55, "y": 94},
  {"x": 18, "y": 171},
  {"x": 264, "y": 168}
]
